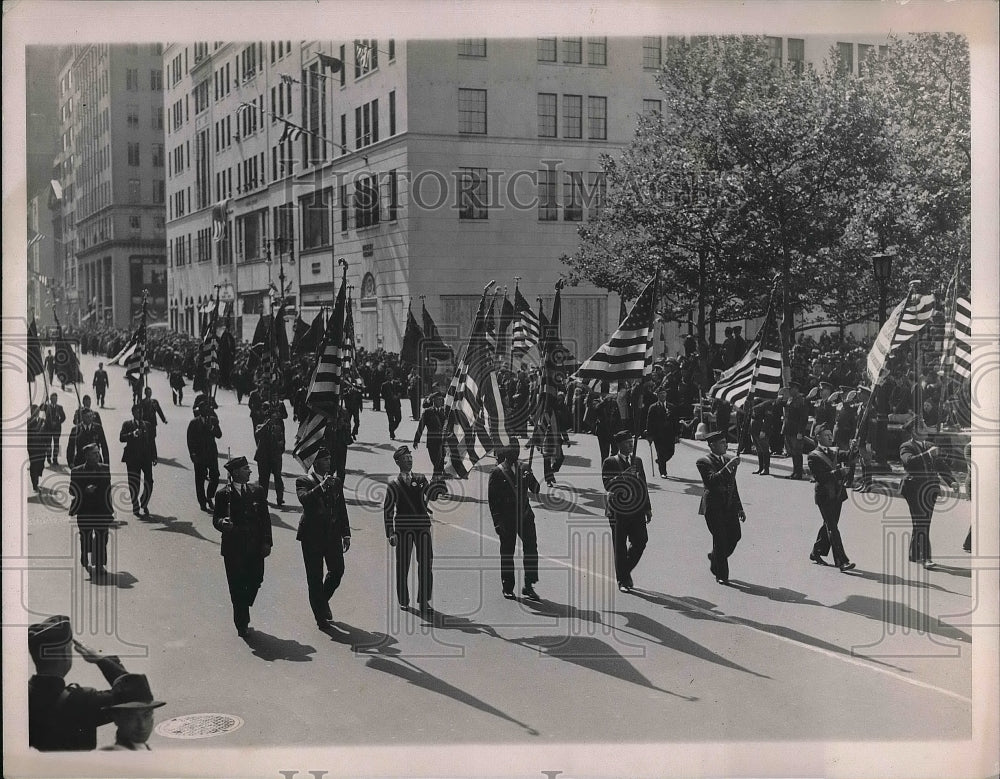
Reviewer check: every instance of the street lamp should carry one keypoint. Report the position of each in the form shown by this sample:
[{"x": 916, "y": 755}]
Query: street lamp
[{"x": 882, "y": 270}]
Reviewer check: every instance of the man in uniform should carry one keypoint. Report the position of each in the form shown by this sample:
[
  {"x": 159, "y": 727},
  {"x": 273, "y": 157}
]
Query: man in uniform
[
  {"x": 830, "y": 476},
  {"x": 241, "y": 516},
  {"x": 54, "y": 418},
  {"x": 90, "y": 493},
  {"x": 87, "y": 431},
  {"x": 413, "y": 391},
  {"x": 50, "y": 365},
  {"x": 86, "y": 405},
  {"x": 824, "y": 412},
  {"x": 324, "y": 532},
  {"x": 38, "y": 441},
  {"x": 353, "y": 400},
  {"x": 628, "y": 508},
  {"x": 150, "y": 411},
  {"x": 393, "y": 409},
  {"x": 177, "y": 385},
  {"x": 432, "y": 420},
  {"x": 65, "y": 716},
  {"x": 138, "y": 459},
  {"x": 100, "y": 383},
  {"x": 920, "y": 488},
  {"x": 793, "y": 427},
  {"x": 408, "y": 527},
  {"x": 720, "y": 504},
  {"x": 202, "y": 432},
  {"x": 133, "y": 713},
  {"x": 606, "y": 419},
  {"x": 270, "y": 437},
  {"x": 508, "y": 490},
  {"x": 663, "y": 430}
]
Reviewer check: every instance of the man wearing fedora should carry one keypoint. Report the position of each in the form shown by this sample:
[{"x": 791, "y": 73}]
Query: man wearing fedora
[
  {"x": 628, "y": 508},
  {"x": 132, "y": 711},
  {"x": 324, "y": 532},
  {"x": 720, "y": 504},
  {"x": 508, "y": 490},
  {"x": 408, "y": 528},
  {"x": 91, "y": 504},
  {"x": 826, "y": 466},
  {"x": 242, "y": 518},
  {"x": 65, "y": 716}
]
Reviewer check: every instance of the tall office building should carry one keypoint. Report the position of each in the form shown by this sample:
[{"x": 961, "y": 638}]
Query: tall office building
[
  {"x": 431, "y": 167},
  {"x": 110, "y": 170}
]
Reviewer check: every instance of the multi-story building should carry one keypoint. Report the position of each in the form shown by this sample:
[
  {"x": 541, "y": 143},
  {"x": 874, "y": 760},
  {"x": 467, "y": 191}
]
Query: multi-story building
[
  {"x": 431, "y": 167},
  {"x": 41, "y": 260},
  {"x": 110, "y": 168}
]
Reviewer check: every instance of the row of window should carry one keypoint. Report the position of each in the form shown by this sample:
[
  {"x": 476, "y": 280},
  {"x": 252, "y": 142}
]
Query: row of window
[
  {"x": 572, "y": 113},
  {"x": 572, "y": 50}
]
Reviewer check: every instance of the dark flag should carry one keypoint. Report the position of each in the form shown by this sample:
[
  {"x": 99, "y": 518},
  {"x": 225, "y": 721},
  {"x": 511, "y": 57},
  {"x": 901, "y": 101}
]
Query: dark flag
[
  {"x": 299, "y": 330},
  {"x": 227, "y": 355},
  {"x": 506, "y": 320},
  {"x": 67, "y": 364},
  {"x": 317, "y": 332},
  {"x": 410, "y": 353},
  {"x": 332, "y": 63},
  {"x": 436, "y": 347},
  {"x": 260, "y": 346},
  {"x": 280, "y": 336},
  {"x": 622, "y": 311},
  {"x": 349, "y": 341},
  {"x": 35, "y": 363}
]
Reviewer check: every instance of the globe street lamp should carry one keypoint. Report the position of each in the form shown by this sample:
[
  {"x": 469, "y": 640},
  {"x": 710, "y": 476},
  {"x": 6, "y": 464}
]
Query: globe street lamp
[{"x": 882, "y": 270}]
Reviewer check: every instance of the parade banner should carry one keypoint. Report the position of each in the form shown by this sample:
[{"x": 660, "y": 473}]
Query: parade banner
[{"x": 906, "y": 320}]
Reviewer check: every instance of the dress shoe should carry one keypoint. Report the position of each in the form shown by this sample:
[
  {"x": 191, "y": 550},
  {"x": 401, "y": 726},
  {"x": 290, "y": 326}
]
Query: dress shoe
[
  {"x": 242, "y": 632},
  {"x": 136, "y": 511},
  {"x": 324, "y": 624},
  {"x": 757, "y": 471},
  {"x": 509, "y": 594},
  {"x": 846, "y": 567},
  {"x": 765, "y": 472},
  {"x": 426, "y": 608},
  {"x": 720, "y": 580},
  {"x": 817, "y": 559},
  {"x": 624, "y": 588},
  {"x": 210, "y": 504},
  {"x": 404, "y": 606},
  {"x": 929, "y": 564},
  {"x": 529, "y": 592}
]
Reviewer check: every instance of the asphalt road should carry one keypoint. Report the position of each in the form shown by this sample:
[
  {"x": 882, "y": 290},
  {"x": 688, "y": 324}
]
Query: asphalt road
[{"x": 788, "y": 651}]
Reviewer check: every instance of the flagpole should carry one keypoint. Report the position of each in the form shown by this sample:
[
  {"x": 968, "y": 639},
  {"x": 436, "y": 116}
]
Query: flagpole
[
  {"x": 340, "y": 347},
  {"x": 145, "y": 339},
  {"x": 213, "y": 388},
  {"x": 517, "y": 279},
  {"x": 948, "y": 366},
  {"x": 748, "y": 403}
]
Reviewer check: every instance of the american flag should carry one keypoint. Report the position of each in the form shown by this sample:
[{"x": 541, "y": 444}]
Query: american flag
[
  {"x": 906, "y": 320},
  {"x": 629, "y": 353},
  {"x": 491, "y": 327},
  {"x": 135, "y": 362},
  {"x": 349, "y": 345},
  {"x": 758, "y": 372},
  {"x": 526, "y": 332},
  {"x": 219, "y": 220},
  {"x": 291, "y": 132},
  {"x": 506, "y": 320}
]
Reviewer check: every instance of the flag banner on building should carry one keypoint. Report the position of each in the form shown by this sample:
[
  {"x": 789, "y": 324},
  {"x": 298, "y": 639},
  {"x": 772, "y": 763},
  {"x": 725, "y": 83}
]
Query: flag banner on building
[
  {"x": 291, "y": 131},
  {"x": 906, "y": 320},
  {"x": 362, "y": 55},
  {"x": 526, "y": 326},
  {"x": 629, "y": 352},
  {"x": 412, "y": 338},
  {"x": 435, "y": 345},
  {"x": 33, "y": 237},
  {"x": 35, "y": 364},
  {"x": 327, "y": 61},
  {"x": 758, "y": 372},
  {"x": 219, "y": 220},
  {"x": 349, "y": 362},
  {"x": 506, "y": 322}
]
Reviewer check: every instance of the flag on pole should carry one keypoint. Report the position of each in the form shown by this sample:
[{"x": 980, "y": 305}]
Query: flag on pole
[
  {"x": 491, "y": 328},
  {"x": 412, "y": 337},
  {"x": 33, "y": 237},
  {"x": 208, "y": 372},
  {"x": 436, "y": 347},
  {"x": 326, "y": 61},
  {"x": 35, "y": 363},
  {"x": 526, "y": 325},
  {"x": 906, "y": 320},
  {"x": 963, "y": 337},
  {"x": 290, "y": 132},
  {"x": 758, "y": 372},
  {"x": 506, "y": 320},
  {"x": 219, "y": 220},
  {"x": 299, "y": 331},
  {"x": 622, "y": 309},
  {"x": 349, "y": 341},
  {"x": 135, "y": 363},
  {"x": 629, "y": 353}
]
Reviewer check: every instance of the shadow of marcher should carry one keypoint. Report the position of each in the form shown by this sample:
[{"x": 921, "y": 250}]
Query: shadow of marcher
[
  {"x": 893, "y": 612},
  {"x": 175, "y": 525},
  {"x": 893, "y": 580},
  {"x": 170, "y": 462},
  {"x": 123, "y": 580},
  {"x": 270, "y": 648}
]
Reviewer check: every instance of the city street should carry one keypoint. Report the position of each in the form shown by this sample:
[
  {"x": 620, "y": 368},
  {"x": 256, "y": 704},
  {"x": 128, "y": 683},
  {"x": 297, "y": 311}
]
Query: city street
[{"x": 788, "y": 651}]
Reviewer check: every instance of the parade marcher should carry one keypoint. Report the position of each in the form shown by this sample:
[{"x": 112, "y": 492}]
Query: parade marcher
[
  {"x": 390, "y": 392},
  {"x": 628, "y": 508},
  {"x": 50, "y": 365},
  {"x": 324, "y": 532},
  {"x": 413, "y": 392},
  {"x": 54, "y": 418},
  {"x": 91, "y": 504},
  {"x": 257, "y": 404},
  {"x": 353, "y": 400},
  {"x": 824, "y": 412},
  {"x": 921, "y": 486},
  {"x": 759, "y": 416},
  {"x": 100, "y": 383},
  {"x": 177, "y": 386},
  {"x": 65, "y": 717},
  {"x": 432, "y": 420},
  {"x": 547, "y": 437},
  {"x": 132, "y": 711},
  {"x": 202, "y": 432},
  {"x": 513, "y": 518},
  {"x": 720, "y": 504},
  {"x": 606, "y": 421},
  {"x": 826, "y": 466},
  {"x": 150, "y": 411},
  {"x": 408, "y": 528},
  {"x": 138, "y": 459},
  {"x": 793, "y": 427},
  {"x": 845, "y": 423},
  {"x": 87, "y": 405},
  {"x": 38, "y": 441},
  {"x": 663, "y": 430},
  {"x": 241, "y": 516},
  {"x": 270, "y": 448}
]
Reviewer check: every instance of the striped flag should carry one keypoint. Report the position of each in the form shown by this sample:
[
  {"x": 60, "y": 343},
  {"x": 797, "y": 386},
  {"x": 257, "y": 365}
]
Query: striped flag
[
  {"x": 758, "y": 372},
  {"x": 491, "y": 327},
  {"x": 34, "y": 361},
  {"x": 348, "y": 358},
  {"x": 526, "y": 331},
  {"x": 906, "y": 320},
  {"x": 33, "y": 237},
  {"x": 219, "y": 220},
  {"x": 629, "y": 353},
  {"x": 506, "y": 320},
  {"x": 291, "y": 132},
  {"x": 309, "y": 438},
  {"x": 963, "y": 337}
]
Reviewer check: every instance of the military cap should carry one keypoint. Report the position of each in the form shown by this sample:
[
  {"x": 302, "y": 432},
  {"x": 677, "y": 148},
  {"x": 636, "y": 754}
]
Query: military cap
[
  {"x": 622, "y": 435},
  {"x": 820, "y": 428},
  {"x": 400, "y": 452},
  {"x": 909, "y": 424},
  {"x": 90, "y": 448},
  {"x": 851, "y": 396},
  {"x": 835, "y": 397},
  {"x": 131, "y": 691},
  {"x": 322, "y": 453},
  {"x": 813, "y": 394},
  {"x": 53, "y": 632},
  {"x": 863, "y": 388},
  {"x": 717, "y": 435},
  {"x": 825, "y": 385},
  {"x": 236, "y": 462}
]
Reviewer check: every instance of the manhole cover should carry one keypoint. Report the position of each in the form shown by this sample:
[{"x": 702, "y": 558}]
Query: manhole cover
[{"x": 199, "y": 725}]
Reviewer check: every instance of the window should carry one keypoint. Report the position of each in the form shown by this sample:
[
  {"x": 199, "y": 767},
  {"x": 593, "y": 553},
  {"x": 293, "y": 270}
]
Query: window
[
  {"x": 133, "y": 155},
  {"x": 131, "y": 79},
  {"x": 366, "y": 202},
  {"x": 598, "y": 193},
  {"x": 366, "y": 125},
  {"x": 546, "y": 49},
  {"x": 773, "y": 45},
  {"x": 204, "y": 244},
  {"x": 251, "y": 234},
  {"x": 156, "y": 80},
  {"x": 393, "y": 195},
  {"x": 365, "y": 57},
  {"x": 134, "y": 190},
  {"x": 573, "y": 50},
  {"x": 178, "y": 112},
  {"x": 597, "y": 117},
  {"x": 201, "y": 97},
  {"x": 472, "y": 193},
  {"x": 573, "y": 196},
  {"x": 392, "y": 113},
  {"x": 572, "y": 116},
  {"x": 845, "y": 52},
  {"x": 343, "y": 133},
  {"x": 315, "y": 210},
  {"x": 249, "y": 61},
  {"x": 132, "y": 115},
  {"x": 651, "y": 106},
  {"x": 135, "y": 222},
  {"x": 158, "y": 118},
  {"x": 652, "y": 52},
  {"x": 472, "y": 111},
  {"x": 597, "y": 51},
  {"x": 865, "y": 50},
  {"x": 548, "y": 206},
  {"x": 392, "y": 49},
  {"x": 471, "y": 47},
  {"x": 159, "y": 191},
  {"x": 796, "y": 54},
  {"x": 345, "y": 209},
  {"x": 547, "y": 115},
  {"x": 284, "y": 220},
  {"x": 343, "y": 65}
]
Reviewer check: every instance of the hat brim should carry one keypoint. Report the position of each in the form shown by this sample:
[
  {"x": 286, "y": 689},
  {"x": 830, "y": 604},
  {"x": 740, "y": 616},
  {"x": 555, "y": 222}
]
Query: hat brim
[{"x": 136, "y": 705}]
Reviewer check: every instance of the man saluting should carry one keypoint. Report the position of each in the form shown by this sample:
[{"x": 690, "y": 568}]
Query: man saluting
[{"x": 721, "y": 504}]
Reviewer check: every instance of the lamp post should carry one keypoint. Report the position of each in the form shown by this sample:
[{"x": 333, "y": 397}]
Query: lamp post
[{"x": 882, "y": 270}]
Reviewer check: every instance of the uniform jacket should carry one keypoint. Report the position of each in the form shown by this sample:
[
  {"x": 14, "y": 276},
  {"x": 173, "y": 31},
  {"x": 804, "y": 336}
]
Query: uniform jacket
[
  {"x": 137, "y": 438},
  {"x": 625, "y": 482},
  {"x": 38, "y": 438},
  {"x": 796, "y": 417},
  {"x": 405, "y": 504},
  {"x": 922, "y": 469},
  {"x": 94, "y": 413},
  {"x": 390, "y": 394},
  {"x": 91, "y": 504},
  {"x": 508, "y": 494},
  {"x": 432, "y": 419},
  {"x": 829, "y": 473},
  {"x": 324, "y": 512},
  {"x": 270, "y": 440},
  {"x": 151, "y": 410},
  {"x": 846, "y": 425},
  {"x": 248, "y": 513},
  {"x": 661, "y": 423},
  {"x": 722, "y": 495},
  {"x": 201, "y": 435},
  {"x": 100, "y": 379},
  {"x": 79, "y": 437},
  {"x": 824, "y": 414},
  {"x": 54, "y": 416}
]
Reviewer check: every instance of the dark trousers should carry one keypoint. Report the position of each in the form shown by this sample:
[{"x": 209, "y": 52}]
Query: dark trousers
[
  {"x": 436, "y": 451},
  {"x": 36, "y": 466},
  {"x": 244, "y": 575},
  {"x": 552, "y": 463},
  {"x": 509, "y": 531},
  {"x": 763, "y": 454},
  {"x": 338, "y": 463},
  {"x": 629, "y": 537},
  {"x": 921, "y": 500},
  {"x": 829, "y": 533},
  {"x": 395, "y": 416},
  {"x": 376, "y": 400},
  {"x": 99, "y": 394},
  {"x": 606, "y": 446},
  {"x": 94, "y": 545},
  {"x": 407, "y": 540},
  {"x": 321, "y": 588},
  {"x": 135, "y": 470},
  {"x": 52, "y": 450},
  {"x": 415, "y": 406},
  {"x": 178, "y": 395},
  {"x": 793, "y": 446},
  {"x": 268, "y": 467},
  {"x": 726, "y": 535},
  {"x": 203, "y": 472},
  {"x": 664, "y": 451},
  {"x": 356, "y": 419}
]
